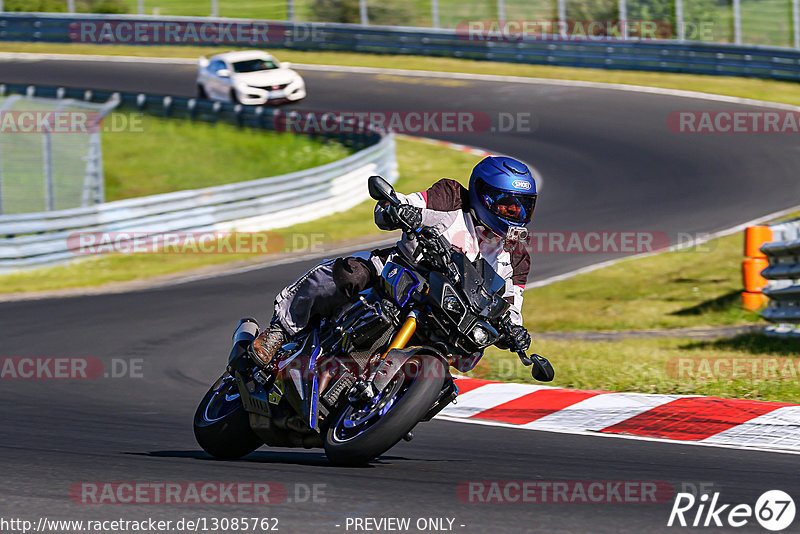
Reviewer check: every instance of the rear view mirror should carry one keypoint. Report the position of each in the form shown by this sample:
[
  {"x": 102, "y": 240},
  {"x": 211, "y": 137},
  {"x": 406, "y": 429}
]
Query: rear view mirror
[{"x": 380, "y": 189}]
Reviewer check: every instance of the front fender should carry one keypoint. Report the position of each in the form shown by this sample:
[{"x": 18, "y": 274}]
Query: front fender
[{"x": 395, "y": 360}]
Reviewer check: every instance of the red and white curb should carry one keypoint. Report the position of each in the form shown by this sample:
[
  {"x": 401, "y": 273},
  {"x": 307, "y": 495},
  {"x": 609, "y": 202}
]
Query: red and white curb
[{"x": 689, "y": 419}]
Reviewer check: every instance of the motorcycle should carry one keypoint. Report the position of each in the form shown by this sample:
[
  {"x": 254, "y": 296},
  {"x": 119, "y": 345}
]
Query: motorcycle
[{"x": 352, "y": 384}]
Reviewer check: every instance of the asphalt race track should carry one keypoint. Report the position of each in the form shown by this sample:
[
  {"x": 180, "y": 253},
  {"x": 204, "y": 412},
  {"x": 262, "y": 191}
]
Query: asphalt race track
[{"x": 609, "y": 163}]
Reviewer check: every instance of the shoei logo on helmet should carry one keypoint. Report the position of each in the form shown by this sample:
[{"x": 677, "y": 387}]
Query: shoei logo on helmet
[{"x": 521, "y": 184}]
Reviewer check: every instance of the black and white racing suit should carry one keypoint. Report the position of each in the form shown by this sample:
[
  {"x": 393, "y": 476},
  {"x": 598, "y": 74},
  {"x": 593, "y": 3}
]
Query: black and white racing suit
[{"x": 445, "y": 206}]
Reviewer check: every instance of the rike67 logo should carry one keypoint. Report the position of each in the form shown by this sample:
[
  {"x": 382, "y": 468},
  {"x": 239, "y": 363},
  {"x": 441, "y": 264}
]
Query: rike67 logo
[{"x": 774, "y": 510}]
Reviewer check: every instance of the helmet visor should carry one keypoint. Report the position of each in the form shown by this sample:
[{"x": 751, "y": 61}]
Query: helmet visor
[{"x": 516, "y": 208}]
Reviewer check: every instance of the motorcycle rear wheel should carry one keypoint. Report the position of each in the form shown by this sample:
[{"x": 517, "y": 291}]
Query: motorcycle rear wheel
[
  {"x": 358, "y": 436},
  {"x": 221, "y": 426}
]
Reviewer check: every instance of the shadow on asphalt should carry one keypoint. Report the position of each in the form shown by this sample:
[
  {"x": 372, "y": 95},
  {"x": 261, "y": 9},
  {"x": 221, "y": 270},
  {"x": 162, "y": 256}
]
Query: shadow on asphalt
[{"x": 310, "y": 458}]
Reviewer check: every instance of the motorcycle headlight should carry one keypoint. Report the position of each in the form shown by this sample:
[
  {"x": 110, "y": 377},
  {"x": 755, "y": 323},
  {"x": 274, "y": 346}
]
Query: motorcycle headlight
[
  {"x": 480, "y": 335},
  {"x": 483, "y": 334},
  {"x": 453, "y": 305}
]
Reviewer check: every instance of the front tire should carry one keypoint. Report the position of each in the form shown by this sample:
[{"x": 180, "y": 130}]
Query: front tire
[
  {"x": 221, "y": 426},
  {"x": 201, "y": 92},
  {"x": 353, "y": 439}
]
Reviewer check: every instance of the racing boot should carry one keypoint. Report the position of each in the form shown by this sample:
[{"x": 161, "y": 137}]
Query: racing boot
[{"x": 264, "y": 347}]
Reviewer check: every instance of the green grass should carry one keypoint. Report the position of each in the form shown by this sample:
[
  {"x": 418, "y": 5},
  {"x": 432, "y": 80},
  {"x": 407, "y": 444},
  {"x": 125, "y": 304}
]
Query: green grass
[
  {"x": 152, "y": 155},
  {"x": 420, "y": 164},
  {"x": 257, "y": 9},
  {"x": 725, "y": 85},
  {"x": 692, "y": 287},
  {"x": 651, "y": 366}
]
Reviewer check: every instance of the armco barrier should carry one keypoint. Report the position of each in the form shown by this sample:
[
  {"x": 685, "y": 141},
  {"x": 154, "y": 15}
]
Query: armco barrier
[
  {"x": 783, "y": 273},
  {"x": 653, "y": 55},
  {"x": 41, "y": 238}
]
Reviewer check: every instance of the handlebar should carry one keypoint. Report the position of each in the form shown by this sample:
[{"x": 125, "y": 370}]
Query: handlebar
[{"x": 432, "y": 241}]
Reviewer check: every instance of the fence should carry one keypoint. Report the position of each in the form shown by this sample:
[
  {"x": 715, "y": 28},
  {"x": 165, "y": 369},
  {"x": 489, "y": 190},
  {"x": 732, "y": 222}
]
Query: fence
[
  {"x": 42, "y": 238},
  {"x": 783, "y": 273},
  {"x": 50, "y": 153},
  {"x": 664, "y": 56},
  {"x": 763, "y": 22}
]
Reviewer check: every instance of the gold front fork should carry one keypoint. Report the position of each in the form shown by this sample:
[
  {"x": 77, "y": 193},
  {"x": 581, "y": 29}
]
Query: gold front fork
[{"x": 404, "y": 334}]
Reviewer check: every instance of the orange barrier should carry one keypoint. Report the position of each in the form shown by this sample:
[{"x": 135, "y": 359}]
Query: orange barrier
[
  {"x": 754, "y": 262},
  {"x": 751, "y": 274},
  {"x": 754, "y": 237},
  {"x": 753, "y": 301}
]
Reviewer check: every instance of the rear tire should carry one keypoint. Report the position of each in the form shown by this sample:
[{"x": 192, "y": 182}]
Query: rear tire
[
  {"x": 221, "y": 426},
  {"x": 391, "y": 427}
]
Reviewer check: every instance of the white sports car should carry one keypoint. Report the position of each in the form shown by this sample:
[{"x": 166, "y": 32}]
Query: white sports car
[{"x": 249, "y": 77}]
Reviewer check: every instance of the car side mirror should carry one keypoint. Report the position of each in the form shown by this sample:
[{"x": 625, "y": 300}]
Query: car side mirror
[
  {"x": 224, "y": 73},
  {"x": 286, "y": 65}
]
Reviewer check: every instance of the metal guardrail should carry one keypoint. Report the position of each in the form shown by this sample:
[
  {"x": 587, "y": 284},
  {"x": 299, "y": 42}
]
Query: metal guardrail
[
  {"x": 49, "y": 237},
  {"x": 783, "y": 273},
  {"x": 654, "y": 55}
]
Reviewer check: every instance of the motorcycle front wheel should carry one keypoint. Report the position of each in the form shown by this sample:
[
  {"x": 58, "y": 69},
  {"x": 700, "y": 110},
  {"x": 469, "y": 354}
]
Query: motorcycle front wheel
[
  {"x": 361, "y": 434},
  {"x": 221, "y": 426}
]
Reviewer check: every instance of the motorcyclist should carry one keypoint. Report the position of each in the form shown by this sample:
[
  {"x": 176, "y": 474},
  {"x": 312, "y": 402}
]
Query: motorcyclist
[{"x": 486, "y": 220}]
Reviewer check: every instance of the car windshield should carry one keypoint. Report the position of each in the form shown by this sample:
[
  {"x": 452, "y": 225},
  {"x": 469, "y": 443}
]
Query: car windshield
[{"x": 254, "y": 65}]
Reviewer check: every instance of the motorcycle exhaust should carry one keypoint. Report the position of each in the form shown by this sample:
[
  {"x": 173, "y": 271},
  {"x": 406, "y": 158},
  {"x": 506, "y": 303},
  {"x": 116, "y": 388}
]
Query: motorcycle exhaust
[{"x": 246, "y": 331}]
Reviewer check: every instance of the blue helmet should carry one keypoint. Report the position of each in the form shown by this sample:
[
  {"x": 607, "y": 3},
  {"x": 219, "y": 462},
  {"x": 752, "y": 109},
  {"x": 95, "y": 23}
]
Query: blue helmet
[{"x": 502, "y": 193}]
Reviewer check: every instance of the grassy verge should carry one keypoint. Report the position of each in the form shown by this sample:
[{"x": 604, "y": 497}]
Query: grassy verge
[
  {"x": 693, "y": 287},
  {"x": 152, "y": 155},
  {"x": 420, "y": 164},
  {"x": 669, "y": 366},
  {"x": 725, "y": 85}
]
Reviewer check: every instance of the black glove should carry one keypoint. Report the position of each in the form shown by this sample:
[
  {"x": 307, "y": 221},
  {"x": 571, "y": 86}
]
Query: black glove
[
  {"x": 520, "y": 339},
  {"x": 403, "y": 216}
]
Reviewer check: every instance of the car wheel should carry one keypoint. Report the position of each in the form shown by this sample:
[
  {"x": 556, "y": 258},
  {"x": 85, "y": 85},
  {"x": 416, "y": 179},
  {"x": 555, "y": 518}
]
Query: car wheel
[
  {"x": 234, "y": 97},
  {"x": 201, "y": 92}
]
